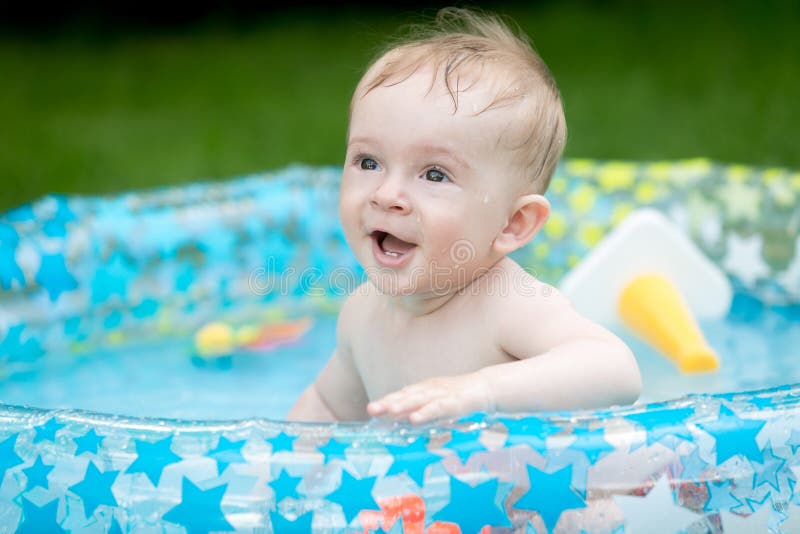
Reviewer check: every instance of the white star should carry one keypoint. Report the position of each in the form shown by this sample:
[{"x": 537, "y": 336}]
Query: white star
[
  {"x": 741, "y": 201},
  {"x": 655, "y": 512},
  {"x": 791, "y": 523},
  {"x": 743, "y": 258},
  {"x": 790, "y": 278},
  {"x": 755, "y": 522}
]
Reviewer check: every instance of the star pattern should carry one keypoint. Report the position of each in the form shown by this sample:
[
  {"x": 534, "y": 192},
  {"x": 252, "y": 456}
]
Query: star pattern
[
  {"x": 8, "y": 456},
  {"x": 47, "y": 431},
  {"x": 152, "y": 458},
  {"x": 88, "y": 442},
  {"x": 550, "y": 495},
  {"x": 354, "y": 495},
  {"x": 661, "y": 422},
  {"x": 412, "y": 459},
  {"x": 285, "y": 486},
  {"x": 37, "y": 474},
  {"x": 720, "y": 496},
  {"x": 54, "y": 277},
  {"x": 227, "y": 452},
  {"x": 464, "y": 444},
  {"x": 473, "y": 507},
  {"x": 39, "y": 519},
  {"x": 590, "y": 442},
  {"x": 17, "y": 350},
  {"x": 282, "y": 442},
  {"x": 333, "y": 450},
  {"x": 199, "y": 511},
  {"x": 530, "y": 431},
  {"x": 744, "y": 258},
  {"x": 734, "y": 436},
  {"x": 95, "y": 488},
  {"x": 299, "y": 525},
  {"x": 656, "y": 511}
]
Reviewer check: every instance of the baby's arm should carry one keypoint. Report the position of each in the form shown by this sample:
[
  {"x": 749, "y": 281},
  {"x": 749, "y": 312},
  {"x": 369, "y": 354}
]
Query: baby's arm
[
  {"x": 563, "y": 361},
  {"x": 338, "y": 393}
]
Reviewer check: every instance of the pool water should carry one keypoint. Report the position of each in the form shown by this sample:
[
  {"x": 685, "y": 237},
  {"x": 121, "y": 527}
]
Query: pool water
[{"x": 758, "y": 347}]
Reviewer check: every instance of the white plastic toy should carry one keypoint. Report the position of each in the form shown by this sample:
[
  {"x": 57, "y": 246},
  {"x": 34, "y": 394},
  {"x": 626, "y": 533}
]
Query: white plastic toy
[{"x": 649, "y": 275}]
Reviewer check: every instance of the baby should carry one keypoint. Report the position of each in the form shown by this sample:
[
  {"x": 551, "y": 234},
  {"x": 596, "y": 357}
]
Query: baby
[{"x": 453, "y": 138}]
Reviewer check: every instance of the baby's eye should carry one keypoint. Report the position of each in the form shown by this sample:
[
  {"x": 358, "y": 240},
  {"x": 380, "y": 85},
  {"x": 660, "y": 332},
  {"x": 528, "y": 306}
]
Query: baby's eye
[
  {"x": 369, "y": 164},
  {"x": 435, "y": 175}
]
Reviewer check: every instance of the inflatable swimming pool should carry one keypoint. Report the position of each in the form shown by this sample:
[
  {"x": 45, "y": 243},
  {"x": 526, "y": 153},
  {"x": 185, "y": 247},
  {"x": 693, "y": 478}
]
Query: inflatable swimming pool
[{"x": 100, "y": 298}]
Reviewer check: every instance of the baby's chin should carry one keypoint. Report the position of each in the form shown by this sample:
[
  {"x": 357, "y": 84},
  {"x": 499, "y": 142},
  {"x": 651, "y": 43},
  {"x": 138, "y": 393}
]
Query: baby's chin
[{"x": 392, "y": 284}]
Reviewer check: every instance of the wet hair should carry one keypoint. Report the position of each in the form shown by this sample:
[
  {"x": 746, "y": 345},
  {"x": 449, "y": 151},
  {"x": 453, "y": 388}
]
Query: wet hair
[{"x": 464, "y": 47}]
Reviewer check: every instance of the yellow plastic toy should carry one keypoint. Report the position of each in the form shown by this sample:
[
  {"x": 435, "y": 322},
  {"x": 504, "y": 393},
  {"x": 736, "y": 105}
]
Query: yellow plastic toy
[
  {"x": 647, "y": 274},
  {"x": 218, "y": 341}
]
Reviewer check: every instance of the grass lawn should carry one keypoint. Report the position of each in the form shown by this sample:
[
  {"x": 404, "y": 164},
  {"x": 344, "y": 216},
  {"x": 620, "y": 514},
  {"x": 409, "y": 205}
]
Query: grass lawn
[{"x": 90, "y": 110}]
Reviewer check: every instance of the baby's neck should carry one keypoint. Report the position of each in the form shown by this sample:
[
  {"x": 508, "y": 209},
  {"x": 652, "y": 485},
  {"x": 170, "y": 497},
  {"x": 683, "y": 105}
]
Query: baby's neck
[{"x": 420, "y": 304}]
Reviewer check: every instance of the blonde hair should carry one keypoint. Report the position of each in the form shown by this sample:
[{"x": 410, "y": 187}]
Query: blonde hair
[{"x": 460, "y": 39}]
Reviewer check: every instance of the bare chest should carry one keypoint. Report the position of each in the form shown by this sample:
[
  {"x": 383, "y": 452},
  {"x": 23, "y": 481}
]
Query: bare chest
[{"x": 390, "y": 355}]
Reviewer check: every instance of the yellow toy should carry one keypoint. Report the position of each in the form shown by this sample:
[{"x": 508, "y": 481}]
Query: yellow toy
[
  {"x": 649, "y": 275},
  {"x": 218, "y": 341}
]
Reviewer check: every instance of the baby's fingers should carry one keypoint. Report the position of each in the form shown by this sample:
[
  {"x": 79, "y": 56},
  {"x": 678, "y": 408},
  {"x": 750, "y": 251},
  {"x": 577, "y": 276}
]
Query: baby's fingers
[
  {"x": 402, "y": 402},
  {"x": 439, "y": 407}
]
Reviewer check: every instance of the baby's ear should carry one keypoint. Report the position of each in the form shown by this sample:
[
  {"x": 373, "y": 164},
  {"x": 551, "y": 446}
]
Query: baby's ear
[{"x": 528, "y": 215}]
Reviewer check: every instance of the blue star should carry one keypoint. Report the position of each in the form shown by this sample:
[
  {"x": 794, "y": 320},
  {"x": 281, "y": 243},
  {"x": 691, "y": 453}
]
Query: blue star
[
  {"x": 333, "y": 450},
  {"x": 794, "y": 441},
  {"x": 8, "y": 235},
  {"x": 47, "y": 431},
  {"x": 285, "y": 486},
  {"x": 762, "y": 402},
  {"x": 663, "y": 422},
  {"x": 227, "y": 452},
  {"x": 767, "y": 472},
  {"x": 54, "y": 277},
  {"x": 693, "y": 466},
  {"x": 199, "y": 510},
  {"x": 9, "y": 270},
  {"x": 21, "y": 213},
  {"x": 475, "y": 417},
  {"x": 591, "y": 442},
  {"x": 8, "y": 457},
  {"x": 38, "y": 519},
  {"x": 281, "y": 442},
  {"x": 530, "y": 431},
  {"x": 146, "y": 308},
  {"x": 37, "y": 474},
  {"x": 111, "y": 279},
  {"x": 464, "y": 444},
  {"x": 354, "y": 495},
  {"x": 13, "y": 347},
  {"x": 88, "y": 442},
  {"x": 734, "y": 436},
  {"x": 549, "y": 495},
  {"x": 300, "y": 525},
  {"x": 54, "y": 228},
  {"x": 95, "y": 489},
  {"x": 720, "y": 497},
  {"x": 152, "y": 458},
  {"x": 411, "y": 459},
  {"x": 473, "y": 507}
]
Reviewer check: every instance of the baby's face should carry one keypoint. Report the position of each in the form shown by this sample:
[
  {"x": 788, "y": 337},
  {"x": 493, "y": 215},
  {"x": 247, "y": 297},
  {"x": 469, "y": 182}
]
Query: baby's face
[{"x": 424, "y": 190}]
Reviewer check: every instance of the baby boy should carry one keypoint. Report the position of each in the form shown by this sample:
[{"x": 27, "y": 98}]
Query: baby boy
[{"x": 453, "y": 138}]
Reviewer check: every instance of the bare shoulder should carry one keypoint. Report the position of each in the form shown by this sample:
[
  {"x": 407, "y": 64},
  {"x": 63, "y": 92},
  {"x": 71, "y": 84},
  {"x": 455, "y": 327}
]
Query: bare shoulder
[
  {"x": 536, "y": 315},
  {"x": 354, "y": 312}
]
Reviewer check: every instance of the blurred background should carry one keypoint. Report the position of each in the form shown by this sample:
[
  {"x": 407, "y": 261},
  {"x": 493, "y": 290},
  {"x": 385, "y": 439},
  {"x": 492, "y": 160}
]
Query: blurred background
[{"x": 96, "y": 99}]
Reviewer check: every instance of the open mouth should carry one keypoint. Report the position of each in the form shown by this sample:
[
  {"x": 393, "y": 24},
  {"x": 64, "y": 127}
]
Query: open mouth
[{"x": 389, "y": 249}]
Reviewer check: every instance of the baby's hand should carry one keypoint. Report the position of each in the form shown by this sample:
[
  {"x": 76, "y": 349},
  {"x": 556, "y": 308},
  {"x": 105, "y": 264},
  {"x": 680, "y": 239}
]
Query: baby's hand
[{"x": 436, "y": 397}]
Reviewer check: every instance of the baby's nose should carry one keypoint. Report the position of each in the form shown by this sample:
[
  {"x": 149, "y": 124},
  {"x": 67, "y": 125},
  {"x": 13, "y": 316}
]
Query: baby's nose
[{"x": 389, "y": 196}]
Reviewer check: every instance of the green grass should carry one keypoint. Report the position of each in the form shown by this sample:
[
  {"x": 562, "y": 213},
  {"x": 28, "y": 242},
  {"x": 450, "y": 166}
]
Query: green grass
[{"x": 90, "y": 111}]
